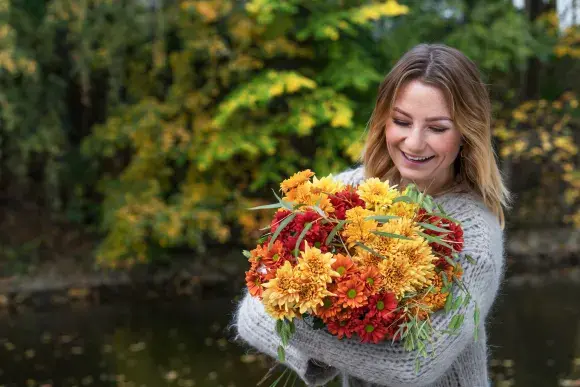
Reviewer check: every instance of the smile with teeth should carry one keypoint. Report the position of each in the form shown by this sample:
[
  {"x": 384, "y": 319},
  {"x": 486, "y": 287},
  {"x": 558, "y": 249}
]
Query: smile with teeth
[{"x": 413, "y": 158}]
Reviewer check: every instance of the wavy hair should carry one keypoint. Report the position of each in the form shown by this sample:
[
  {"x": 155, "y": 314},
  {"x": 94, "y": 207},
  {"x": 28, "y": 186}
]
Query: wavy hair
[{"x": 459, "y": 79}]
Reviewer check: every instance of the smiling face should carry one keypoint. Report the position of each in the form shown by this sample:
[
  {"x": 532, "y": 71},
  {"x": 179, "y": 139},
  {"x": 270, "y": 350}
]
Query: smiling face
[{"x": 422, "y": 139}]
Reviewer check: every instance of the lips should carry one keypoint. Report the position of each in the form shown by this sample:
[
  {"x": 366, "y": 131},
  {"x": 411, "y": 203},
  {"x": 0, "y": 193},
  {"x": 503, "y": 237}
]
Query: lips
[{"x": 417, "y": 159}]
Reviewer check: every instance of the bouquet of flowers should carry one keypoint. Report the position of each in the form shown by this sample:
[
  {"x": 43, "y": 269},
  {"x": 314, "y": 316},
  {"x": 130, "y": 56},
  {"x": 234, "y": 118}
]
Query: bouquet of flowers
[{"x": 364, "y": 261}]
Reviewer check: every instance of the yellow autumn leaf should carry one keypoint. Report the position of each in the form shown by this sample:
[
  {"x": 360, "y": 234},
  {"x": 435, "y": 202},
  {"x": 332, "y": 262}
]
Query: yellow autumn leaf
[
  {"x": 343, "y": 117},
  {"x": 306, "y": 122}
]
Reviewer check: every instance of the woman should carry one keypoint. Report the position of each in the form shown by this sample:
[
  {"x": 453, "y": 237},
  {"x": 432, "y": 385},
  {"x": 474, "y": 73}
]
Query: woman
[{"x": 431, "y": 127}]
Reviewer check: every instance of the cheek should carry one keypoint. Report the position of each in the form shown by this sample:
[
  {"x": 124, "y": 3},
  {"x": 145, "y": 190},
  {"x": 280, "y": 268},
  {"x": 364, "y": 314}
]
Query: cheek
[
  {"x": 393, "y": 134},
  {"x": 447, "y": 145}
]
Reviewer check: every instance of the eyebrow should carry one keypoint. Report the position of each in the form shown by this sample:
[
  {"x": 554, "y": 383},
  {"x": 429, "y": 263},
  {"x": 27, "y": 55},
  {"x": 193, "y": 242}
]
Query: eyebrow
[{"x": 438, "y": 118}]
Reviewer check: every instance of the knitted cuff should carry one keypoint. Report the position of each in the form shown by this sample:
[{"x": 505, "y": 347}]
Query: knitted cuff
[{"x": 258, "y": 329}]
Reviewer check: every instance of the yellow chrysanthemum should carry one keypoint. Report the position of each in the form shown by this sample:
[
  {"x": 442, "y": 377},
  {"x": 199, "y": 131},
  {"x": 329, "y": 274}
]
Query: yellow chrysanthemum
[
  {"x": 284, "y": 288},
  {"x": 398, "y": 275},
  {"x": 357, "y": 229},
  {"x": 364, "y": 258},
  {"x": 312, "y": 294},
  {"x": 296, "y": 180},
  {"x": 303, "y": 194},
  {"x": 313, "y": 263},
  {"x": 326, "y": 185},
  {"x": 376, "y": 194},
  {"x": 280, "y": 312},
  {"x": 403, "y": 209}
]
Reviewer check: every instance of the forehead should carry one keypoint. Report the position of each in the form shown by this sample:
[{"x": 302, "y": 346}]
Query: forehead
[{"x": 420, "y": 99}]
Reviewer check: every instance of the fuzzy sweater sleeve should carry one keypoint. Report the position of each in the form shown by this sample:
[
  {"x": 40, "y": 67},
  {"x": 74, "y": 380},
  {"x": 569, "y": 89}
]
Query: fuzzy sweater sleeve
[{"x": 389, "y": 364}]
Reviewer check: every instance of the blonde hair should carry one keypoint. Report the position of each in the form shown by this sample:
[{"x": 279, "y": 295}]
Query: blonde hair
[{"x": 458, "y": 78}]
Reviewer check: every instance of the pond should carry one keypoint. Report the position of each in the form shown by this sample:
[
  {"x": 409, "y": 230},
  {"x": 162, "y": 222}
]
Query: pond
[{"x": 534, "y": 335}]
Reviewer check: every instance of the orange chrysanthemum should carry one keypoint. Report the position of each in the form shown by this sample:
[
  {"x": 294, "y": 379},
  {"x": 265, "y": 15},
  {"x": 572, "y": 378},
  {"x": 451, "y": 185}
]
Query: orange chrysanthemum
[
  {"x": 352, "y": 293},
  {"x": 329, "y": 308},
  {"x": 372, "y": 279},
  {"x": 343, "y": 265},
  {"x": 254, "y": 283}
]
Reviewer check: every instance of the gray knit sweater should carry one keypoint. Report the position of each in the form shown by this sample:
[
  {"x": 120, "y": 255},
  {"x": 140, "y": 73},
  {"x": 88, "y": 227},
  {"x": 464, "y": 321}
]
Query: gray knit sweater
[{"x": 458, "y": 359}]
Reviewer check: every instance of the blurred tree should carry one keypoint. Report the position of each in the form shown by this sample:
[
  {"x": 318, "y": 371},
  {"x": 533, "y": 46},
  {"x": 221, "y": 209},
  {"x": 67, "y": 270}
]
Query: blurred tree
[{"x": 160, "y": 122}]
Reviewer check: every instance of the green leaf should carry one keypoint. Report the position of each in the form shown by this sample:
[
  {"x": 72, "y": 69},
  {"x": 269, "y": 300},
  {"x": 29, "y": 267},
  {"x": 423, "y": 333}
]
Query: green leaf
[
  {"x": 444, "y": 279},
  {"x": 370, "y": 250},
  {"x": 442, "y": 215},
  {"x": 281, "y": 226},
  {"x": 457, "y": 302},
  {"x": 382, "y": 218},
  {"x": 433, "y": 239},
  {"x": 466, "y": 300},
  {"x": 476, "y": 321},
  {"x": 449, "y": 260},
  {"x": 279, "y": 326},
  {"x": 266, "y": 207},
  {"x": 285, "y": 204},
  {"x": 434, "y": 228},
  {"x": 448, "y": 303},
  {"x": 390, "y": 235},
  {"x": 470, "y": 259},
  {"x": 456, "y": 322},
  {"x": 285, "y": 336},
  {"x": 403, "y": 198},
  {"x": 247, "y": 254},
  {"x": 319, "y": 211},
  {"x": 307, "y": 227},
  {"x": 281, "y": 354},
  {"x": 335, "y": 229}
]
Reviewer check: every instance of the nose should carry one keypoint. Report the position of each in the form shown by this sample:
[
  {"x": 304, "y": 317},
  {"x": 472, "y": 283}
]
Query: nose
[{"x": 414, "y": 142}]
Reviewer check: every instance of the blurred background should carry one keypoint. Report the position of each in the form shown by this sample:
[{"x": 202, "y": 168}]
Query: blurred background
[{"x": 134, "y": 135}]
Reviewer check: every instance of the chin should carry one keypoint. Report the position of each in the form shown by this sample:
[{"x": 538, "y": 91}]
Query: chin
[{"x": 416, "y": 177}]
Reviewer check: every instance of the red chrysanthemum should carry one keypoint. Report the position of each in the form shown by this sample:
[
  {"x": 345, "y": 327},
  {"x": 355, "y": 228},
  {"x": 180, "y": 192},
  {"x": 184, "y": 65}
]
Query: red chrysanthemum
[
  {"x": 454, "y": 237},
  {"x": 382, "y": 306},
  {"x": 342, "y": 328},
  {"x": 345, "y": 200},
  {"x": 315, "y": 236},
  {"x": 371, "y": 330}
]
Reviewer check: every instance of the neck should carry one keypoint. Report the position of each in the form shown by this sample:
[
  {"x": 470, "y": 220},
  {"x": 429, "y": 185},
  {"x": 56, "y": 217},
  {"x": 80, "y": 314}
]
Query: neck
[{"x": 432, "y": 187}]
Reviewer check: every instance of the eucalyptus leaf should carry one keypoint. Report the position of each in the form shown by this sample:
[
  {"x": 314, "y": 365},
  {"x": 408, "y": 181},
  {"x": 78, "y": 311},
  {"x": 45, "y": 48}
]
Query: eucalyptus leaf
[
  {"x": 370, "y": 250},
  {"x": 266, "y": 207},
  {"x": 391, "y": 235},
  {"x": 307, "y": 227},
  {"x": 335, "y": 229}
]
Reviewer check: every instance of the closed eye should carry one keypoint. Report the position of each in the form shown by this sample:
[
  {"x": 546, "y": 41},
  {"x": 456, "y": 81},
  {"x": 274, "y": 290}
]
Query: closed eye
[
  {"x": 401, "y": 123},
  {"x": 438, "y": 130}
]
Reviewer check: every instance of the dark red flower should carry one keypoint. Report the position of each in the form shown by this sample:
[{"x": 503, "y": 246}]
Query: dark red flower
[
  {"x": 382, "y": 306},
  {"x": 342, "y": 328},
  {"x": 315, "y": 236},
  {"x": 371, "y": 330},
  {"x": 345, "y": 200},
  {"x": 454, "y": 237}
]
